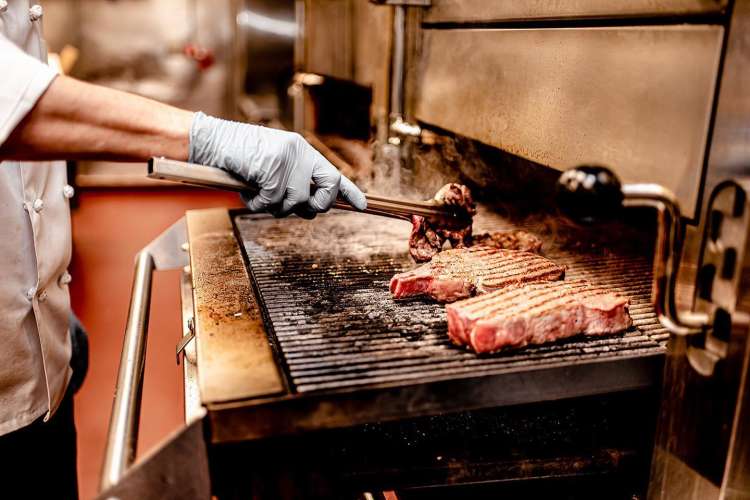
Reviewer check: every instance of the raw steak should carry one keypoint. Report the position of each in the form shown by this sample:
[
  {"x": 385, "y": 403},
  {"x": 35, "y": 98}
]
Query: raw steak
[
  {"x": 535, "y": 313},
  {"x": 460, "y": 273}
]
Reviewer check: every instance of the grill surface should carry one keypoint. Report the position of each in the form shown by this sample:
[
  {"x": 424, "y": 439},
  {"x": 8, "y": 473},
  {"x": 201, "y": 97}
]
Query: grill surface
[{"x": 323, "y": 289}]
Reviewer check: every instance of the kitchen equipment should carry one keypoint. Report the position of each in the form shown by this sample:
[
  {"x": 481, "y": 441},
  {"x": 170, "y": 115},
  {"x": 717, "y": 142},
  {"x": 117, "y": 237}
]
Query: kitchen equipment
[
  {"x": 204, "y": 176},
  {"x": 303, "y": 379}
]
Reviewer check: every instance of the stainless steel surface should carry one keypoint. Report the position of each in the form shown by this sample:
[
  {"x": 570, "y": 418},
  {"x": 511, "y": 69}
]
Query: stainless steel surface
[
  {"x": 191, "y": 392},
  {"x": 184, "y": 342},
  {"x": 695, "y": 405},
  {"x": 729, "y": 156},
  {"x": 200, "y": 175},
  {"x": 484, "y": 11},
  {"x": 611, "y": 96},
  {"x": 176, "y": 470},
  {"x": 397, "y": 66},
  {"x": 234, "y": 358},
  {"x": 724, "y": 249},
  {"x": 162, "y": 253},
  {"x": 329, "y": 38},
  {"x": 701, "y": 437},
  {"x": 347, "y": 39}
]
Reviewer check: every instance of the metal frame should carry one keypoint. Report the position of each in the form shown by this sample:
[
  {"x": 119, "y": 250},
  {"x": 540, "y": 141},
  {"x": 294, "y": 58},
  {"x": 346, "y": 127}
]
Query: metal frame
[
  {"x": 163, "y": 253},
  {"x": 298, "y": 413}
]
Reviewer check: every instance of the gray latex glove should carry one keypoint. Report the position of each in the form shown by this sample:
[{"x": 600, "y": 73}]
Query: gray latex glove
[{"x": 282, "y": 164}]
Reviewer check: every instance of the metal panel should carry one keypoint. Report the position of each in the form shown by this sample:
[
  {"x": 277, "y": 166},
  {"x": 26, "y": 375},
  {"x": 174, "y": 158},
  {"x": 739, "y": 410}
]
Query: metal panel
[
  {"x": 483, "y": 10},
  {"x": 176, "y": 469},
  {"x": 235, "y": 359},
  {"x": 191, "y": 391},
  {"x": 730, "y": 145},
  {"x": 635, "y": 99},
  {"x": 328, "y": 38}
]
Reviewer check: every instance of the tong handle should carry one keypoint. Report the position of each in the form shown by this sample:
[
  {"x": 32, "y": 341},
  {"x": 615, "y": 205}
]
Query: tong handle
[{"x": 203, "y": 176}]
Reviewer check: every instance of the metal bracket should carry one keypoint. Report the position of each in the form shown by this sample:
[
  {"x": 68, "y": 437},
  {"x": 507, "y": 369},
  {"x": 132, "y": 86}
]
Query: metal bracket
[
  {"x": 185, "y": 340},
  {"x": 722, "y": 264}
]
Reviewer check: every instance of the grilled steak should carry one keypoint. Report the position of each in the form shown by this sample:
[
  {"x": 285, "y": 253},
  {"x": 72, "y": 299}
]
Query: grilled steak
[
  {"x": 535, "y": 313},
  {"x": 460, "y": 273},
  {"x": 510, "y": 240},
  {"x": 427, "y": 238}
]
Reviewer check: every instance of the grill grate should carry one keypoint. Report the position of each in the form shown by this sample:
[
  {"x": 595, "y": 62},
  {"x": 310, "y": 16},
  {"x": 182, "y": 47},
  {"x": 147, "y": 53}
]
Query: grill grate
[{"x": 323, "y": 287}]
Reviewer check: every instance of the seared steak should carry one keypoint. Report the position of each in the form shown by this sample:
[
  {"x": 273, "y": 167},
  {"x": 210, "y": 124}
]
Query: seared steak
[
  {"x": 535, "y": 313},
  {"x": 460, "y": 273},
  {"x": 427, "y": 238}
]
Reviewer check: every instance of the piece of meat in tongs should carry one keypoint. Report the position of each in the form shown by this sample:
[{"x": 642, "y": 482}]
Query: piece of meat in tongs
[{"x": 428, "y": 236}]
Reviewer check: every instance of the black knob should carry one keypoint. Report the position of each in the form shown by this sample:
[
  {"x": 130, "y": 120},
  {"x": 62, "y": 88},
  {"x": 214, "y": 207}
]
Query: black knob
[{"x": 589, "y": 193}]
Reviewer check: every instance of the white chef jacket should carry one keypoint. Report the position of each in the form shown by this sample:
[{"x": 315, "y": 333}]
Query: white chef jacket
[{"x": 35, "y": 238}]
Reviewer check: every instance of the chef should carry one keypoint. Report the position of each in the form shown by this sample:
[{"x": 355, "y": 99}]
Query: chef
[{"x": 45, "y": 118}]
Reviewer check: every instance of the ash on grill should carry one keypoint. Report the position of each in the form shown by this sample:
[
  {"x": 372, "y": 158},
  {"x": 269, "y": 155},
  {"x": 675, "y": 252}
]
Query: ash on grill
[{"x": 323, "y": 288}]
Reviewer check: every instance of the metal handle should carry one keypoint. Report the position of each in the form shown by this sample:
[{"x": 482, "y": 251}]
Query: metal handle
[
  {"x": 162, "y": 253},
  {"x": 203, "y": 176},
  {"x": 122, "y": 437},
  {"x": 592, "y": 192}
]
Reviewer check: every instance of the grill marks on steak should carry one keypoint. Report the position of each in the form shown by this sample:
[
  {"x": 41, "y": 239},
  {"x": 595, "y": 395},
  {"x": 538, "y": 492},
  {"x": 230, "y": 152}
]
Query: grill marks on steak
[
  {"x": 461, "y": 273},
  {"x": 536, "y": 313}
]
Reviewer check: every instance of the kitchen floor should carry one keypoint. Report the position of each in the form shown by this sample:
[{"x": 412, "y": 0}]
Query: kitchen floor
[{"x": 109, "y": 227}]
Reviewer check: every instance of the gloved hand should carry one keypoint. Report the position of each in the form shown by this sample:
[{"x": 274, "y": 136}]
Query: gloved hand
[{"x": 282, "y": 164}]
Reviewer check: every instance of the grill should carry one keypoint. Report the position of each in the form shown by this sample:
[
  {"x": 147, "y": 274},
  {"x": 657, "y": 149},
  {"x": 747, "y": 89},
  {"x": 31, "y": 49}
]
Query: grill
[{"x": 323, "y": 291}]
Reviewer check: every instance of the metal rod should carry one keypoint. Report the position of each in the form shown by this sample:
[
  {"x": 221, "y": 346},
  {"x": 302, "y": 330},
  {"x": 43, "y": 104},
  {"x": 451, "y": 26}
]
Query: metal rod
[
  {"x": 397, "y": 68},
  {"x": 666, "y": 256},
  {"x": 123, "y": 424}
]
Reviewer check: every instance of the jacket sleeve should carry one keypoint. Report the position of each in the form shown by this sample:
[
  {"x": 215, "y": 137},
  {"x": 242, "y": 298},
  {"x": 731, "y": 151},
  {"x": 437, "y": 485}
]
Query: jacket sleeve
[{"x": 23, "y": 80}]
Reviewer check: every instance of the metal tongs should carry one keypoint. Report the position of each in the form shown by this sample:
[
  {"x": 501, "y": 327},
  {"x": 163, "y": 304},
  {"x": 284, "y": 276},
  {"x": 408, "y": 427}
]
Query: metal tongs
[{"x": 203, "y": 176}]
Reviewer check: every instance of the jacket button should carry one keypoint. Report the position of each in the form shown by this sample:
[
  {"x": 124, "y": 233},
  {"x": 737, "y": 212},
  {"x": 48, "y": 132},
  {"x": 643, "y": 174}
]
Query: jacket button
[
  {"x": 36, "y": 12},
  {"x": 68, "y": 191},
  {"x": 65, "y": 278},
  {"x": 30, "y": 293},
  {"x": 38, "y": 205},
  {"x": 3, "y": 6}
]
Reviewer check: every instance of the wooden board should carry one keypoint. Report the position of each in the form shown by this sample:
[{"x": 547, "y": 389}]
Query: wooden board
[{"x": 235, "y": 359}]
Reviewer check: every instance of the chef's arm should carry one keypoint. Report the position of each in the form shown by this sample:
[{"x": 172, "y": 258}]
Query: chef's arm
[
  {"x": 49, "y": 117},
  {"x": 78, "y": 120}
]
